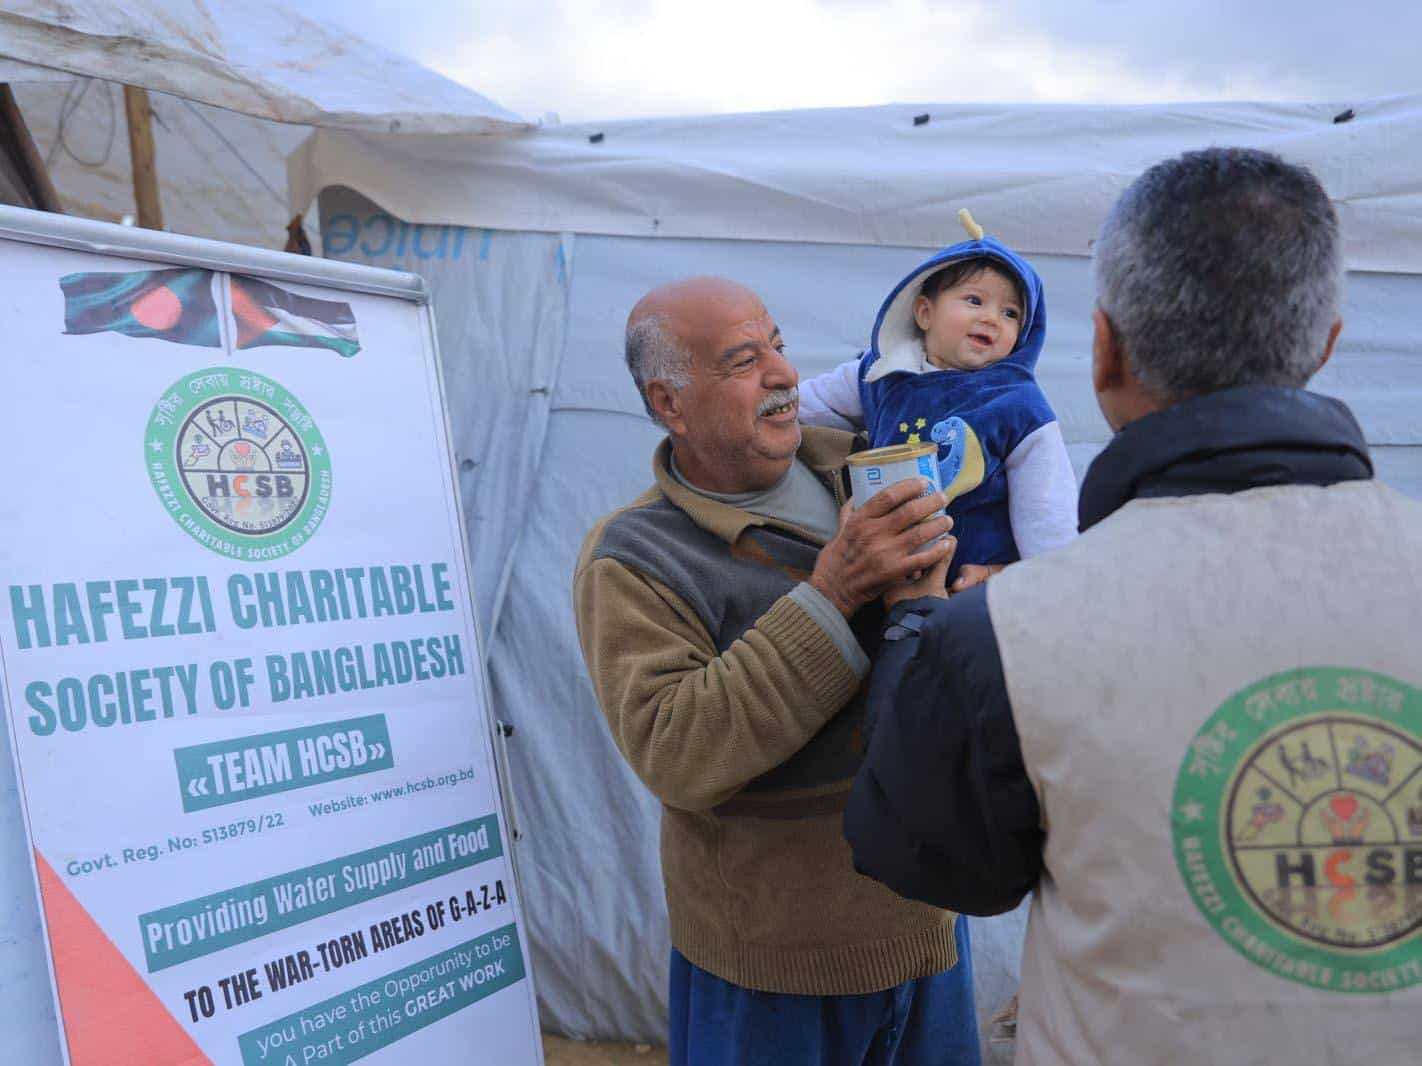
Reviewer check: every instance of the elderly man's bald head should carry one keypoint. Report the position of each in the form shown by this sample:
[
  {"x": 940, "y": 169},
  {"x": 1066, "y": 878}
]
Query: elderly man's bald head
[{"x": 694, "y": 309}]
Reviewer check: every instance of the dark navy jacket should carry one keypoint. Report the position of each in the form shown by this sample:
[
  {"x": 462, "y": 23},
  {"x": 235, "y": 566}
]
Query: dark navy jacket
[
  {"x": 1002, "y": 403},
  {"x": 942, "y": 809}
]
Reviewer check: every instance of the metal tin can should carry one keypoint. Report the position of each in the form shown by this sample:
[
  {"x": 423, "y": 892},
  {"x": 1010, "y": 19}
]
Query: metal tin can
[{"x": 875, "y": 470}]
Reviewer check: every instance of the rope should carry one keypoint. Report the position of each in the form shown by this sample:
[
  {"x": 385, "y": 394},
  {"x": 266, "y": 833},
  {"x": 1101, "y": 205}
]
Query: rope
[
  {"x": 233, "y": 149},
  {"x": 66, "y": 112}
]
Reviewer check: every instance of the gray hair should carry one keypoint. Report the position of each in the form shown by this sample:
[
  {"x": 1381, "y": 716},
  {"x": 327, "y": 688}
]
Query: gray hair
[
  {"x": 653, "y": 354},
  {"x": 1221, "y": 268}
]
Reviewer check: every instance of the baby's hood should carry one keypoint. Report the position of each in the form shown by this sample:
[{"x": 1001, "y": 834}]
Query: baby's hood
[{"x": 896, "y": 342}]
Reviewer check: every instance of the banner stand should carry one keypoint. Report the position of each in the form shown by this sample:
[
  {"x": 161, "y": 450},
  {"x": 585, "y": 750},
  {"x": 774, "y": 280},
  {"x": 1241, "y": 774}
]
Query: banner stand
[{"x": 240, "y": 662}]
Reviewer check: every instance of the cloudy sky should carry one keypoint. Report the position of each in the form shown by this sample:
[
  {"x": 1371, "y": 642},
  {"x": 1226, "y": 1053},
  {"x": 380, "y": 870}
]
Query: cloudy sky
[{"x": 626, "y": 58}]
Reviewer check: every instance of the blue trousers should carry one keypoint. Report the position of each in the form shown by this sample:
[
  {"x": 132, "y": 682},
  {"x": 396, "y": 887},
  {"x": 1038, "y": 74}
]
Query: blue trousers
[{"x": 930, "y": 1021}]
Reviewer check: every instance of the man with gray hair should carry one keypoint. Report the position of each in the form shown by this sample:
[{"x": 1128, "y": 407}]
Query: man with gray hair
[
  {"x": 1196, "y": 732},
  {"x": 726, "y": 618}
]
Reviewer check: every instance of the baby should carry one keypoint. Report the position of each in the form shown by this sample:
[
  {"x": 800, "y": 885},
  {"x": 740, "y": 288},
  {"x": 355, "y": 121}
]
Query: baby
[{"x": 951, "y": 360}]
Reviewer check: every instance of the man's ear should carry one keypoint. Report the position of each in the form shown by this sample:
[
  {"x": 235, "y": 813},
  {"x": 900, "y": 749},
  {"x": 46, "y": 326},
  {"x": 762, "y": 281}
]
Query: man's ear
[
  {"x": 666, "y": 404},
  {"x": 1108, "y": 358},
  {"x": 923, "y": 312},
  {"x": 1333, "y": 332}
]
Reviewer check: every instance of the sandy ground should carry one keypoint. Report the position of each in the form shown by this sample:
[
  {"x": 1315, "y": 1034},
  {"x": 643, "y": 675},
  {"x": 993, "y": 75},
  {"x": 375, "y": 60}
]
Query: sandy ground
[{"x": 558, "y": 1051}]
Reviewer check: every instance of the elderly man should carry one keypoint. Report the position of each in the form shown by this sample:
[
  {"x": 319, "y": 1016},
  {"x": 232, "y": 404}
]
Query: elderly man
[
  {"x": 725, "y": 618},
  {"x": 1197, "y": 731}
]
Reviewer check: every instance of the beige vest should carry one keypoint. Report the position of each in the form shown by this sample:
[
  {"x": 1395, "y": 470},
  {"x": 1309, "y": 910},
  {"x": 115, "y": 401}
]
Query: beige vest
[{"x": 1219, "y": 707}]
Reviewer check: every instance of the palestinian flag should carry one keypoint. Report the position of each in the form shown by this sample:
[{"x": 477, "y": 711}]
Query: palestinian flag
[
  {"x": 266, "y": 314},
  {"x": 172, "y": 305}
]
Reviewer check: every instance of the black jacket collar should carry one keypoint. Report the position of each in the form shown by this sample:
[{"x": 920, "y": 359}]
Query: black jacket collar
[{"x": 1227, "y": 441}]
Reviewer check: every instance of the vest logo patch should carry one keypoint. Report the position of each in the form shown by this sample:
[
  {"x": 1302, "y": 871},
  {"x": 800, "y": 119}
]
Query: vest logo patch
[{"x": 1297, "y": 824}]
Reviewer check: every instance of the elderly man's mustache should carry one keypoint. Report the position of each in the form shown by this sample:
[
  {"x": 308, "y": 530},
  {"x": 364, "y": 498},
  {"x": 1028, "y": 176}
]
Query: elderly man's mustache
[{"x": 778, "y": 398}]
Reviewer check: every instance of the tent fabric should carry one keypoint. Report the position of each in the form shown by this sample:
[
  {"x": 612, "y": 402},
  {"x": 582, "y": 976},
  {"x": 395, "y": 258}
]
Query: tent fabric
[
  {"x": 221, "y": 175},
  {"x": 512, "y": 289},
  {"x": 1039, "y": 177},
  {"x": 253, "y": 56},
  {"x": 508, "y": 293},
  {"x": 261, "y": 70}
]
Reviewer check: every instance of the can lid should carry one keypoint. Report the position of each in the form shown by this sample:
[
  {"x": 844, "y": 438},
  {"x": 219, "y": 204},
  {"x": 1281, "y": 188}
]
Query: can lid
[{"x": 893, "y": 453}]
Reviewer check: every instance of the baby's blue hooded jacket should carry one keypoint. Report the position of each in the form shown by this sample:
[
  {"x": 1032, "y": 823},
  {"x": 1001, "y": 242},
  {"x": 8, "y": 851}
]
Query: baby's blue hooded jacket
[{"x": 1002, "y": 403}]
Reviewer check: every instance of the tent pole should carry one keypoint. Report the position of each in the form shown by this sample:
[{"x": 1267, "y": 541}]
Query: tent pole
[
  {"x": 41, "y": 188},
  {"x": 140, "y": 147}
]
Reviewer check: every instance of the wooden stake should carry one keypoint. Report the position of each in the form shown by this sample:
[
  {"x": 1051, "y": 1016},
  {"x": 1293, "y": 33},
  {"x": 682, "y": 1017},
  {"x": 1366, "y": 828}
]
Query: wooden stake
[{"x": 140, "y": 147}]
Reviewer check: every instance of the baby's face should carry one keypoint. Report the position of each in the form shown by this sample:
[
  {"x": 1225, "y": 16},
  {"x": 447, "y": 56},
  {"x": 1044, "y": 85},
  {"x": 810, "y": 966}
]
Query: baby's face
[{"x": 972, "y": 325}]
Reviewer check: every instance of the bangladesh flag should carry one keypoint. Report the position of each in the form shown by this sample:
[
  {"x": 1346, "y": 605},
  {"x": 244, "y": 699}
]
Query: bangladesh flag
[
  {"x": 172, "y": 305},
  {"x": 267, "y": 314}
]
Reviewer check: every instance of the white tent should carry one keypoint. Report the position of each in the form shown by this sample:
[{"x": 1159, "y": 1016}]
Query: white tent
[
  {"x": 536, "y": 248},
  {"x": 252, "y": 56},
  {"x": 221, "y": 175},
  {"x": 235, "y": 88},
  {"x": 1043, "y": 174}
]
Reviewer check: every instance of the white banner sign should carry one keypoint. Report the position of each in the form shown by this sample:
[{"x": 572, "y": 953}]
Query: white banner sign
[{"x": 244, "y": 690}]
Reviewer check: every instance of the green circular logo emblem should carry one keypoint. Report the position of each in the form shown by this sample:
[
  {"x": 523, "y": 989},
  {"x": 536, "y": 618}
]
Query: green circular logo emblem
[
  {"x": 238, "y": 463},
  {"x": 1297, "y": 822}
]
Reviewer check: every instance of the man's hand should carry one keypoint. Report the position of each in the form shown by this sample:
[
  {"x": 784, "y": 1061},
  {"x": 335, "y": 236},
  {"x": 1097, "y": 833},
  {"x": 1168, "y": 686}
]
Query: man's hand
[
  {"x": 881, "y": 544},
  {"x": 932, "y": 583},
  {"x": 928, "y": 584},
  {"x": 970, "y": 574}
]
